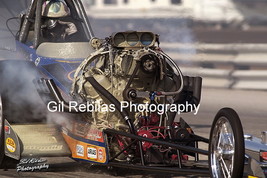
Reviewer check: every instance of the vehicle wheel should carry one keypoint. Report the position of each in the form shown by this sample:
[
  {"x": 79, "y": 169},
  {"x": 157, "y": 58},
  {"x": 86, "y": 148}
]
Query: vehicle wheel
[{"x": 226, "y": 148}]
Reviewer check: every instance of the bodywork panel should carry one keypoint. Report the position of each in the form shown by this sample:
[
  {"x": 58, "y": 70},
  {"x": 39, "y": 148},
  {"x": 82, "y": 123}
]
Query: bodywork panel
[
  {"x": 12, "y": 142},
  {"x": 41, "y": 140}
]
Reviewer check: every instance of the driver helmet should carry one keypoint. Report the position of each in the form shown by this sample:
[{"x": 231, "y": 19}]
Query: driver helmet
[{"x": 55, "y": 9}]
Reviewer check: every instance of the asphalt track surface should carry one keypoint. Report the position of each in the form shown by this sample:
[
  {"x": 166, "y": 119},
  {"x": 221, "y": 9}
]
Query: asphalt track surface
[{"x": 250, "y": 105}]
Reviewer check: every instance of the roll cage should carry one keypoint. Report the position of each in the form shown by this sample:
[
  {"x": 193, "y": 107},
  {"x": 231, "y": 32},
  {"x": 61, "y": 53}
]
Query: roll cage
[{"x": 31, "y": 22}]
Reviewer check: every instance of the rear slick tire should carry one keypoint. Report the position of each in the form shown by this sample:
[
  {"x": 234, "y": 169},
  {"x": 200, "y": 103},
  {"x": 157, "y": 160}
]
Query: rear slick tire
[{"x": 226, "y": 148}]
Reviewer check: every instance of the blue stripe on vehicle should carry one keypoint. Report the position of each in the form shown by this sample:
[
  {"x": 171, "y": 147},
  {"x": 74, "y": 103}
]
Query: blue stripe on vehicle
[{"x": 79, "y": 159}]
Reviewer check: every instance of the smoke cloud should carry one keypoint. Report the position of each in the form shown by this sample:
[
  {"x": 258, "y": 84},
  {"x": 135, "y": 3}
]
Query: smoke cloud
[{"x": 21, "y": 102}]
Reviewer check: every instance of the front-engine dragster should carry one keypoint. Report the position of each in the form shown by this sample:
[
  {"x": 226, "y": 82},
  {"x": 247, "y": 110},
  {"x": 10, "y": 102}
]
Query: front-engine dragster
[
  {"x": 126, "y": 93},
  {"x": 131, "y": 67}
]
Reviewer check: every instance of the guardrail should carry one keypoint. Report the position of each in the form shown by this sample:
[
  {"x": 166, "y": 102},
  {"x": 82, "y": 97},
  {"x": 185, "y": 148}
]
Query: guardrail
[{"x": 232, "y": 66}]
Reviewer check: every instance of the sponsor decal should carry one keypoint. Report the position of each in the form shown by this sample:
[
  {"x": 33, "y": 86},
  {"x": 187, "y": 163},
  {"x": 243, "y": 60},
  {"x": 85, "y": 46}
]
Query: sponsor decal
[
  {"x": 7, "y": 129},
  {"x": 80, "y": 129},
  {"x": 95, "y": 134},
  {"x": 11, "y": 145},
  {"x": 80, "y": 150},
  {"x": 37, "y": 61},
  {"x": 92, "y": 153},
  {"x": 100, "y": 154},
  {"x": 32, "y": 164},
  {"x": 85, "y": 131}
]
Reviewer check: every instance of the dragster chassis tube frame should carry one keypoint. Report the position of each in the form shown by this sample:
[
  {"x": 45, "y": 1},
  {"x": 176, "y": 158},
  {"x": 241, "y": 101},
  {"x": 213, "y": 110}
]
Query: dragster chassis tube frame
[
  {"x": 185, "y": 171},
  {"x": 133, "y": 135},
  {"x": 157, "y": 142},
  {"x": 89, "y": 31},
  {"x": 188, "y": 171},
  {"x": 57, "y": 96}
]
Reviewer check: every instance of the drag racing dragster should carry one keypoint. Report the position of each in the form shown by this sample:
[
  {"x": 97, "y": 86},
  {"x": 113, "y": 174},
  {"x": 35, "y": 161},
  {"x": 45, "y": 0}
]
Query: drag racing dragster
[{"x": 111, "y": 101}]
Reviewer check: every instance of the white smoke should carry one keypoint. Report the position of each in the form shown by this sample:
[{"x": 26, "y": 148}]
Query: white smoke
[{"x": 20, "y": 99}]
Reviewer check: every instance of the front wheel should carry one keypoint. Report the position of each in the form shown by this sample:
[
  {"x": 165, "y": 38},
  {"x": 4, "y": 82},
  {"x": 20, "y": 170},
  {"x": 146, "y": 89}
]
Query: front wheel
[{"x": 226, "y": 148}]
